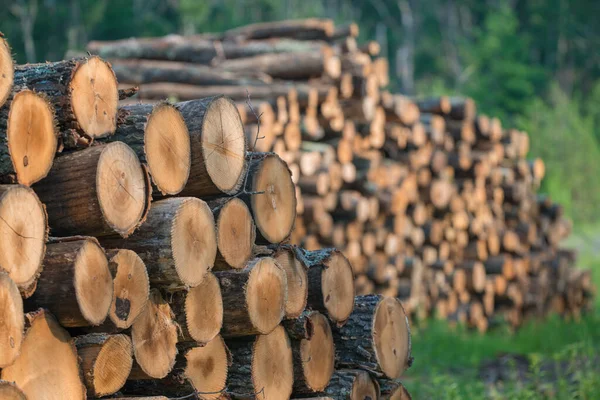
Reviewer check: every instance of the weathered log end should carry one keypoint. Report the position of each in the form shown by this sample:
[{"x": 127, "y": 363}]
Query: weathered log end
[
  {"x": 32, "y": 136},
  {"x": 272, "y": 367},
  {"x": 297, "y": 281},
  {"x": 131, "y": 287},
  {"x": 154, "y": 336},
  {"x": 48, "y": 366},
  {"x": 7, "y": 70},
  {"x": 13, "y": 321},
  {"x": 95, "y": 97},
  {"x": 204, "y": 310},
  {"x": 10, "y": 391},
  {"x": 391, "y": 337},
  {"x": 207, "y": 367},
  {"x": 317, "y": 353},
  {"x": 236, "y": 233},
  {"x": 167, "y": 148},
  {"x": 193, "y": 241},
  {"x": 23, "y": 233},
  {"x": 266, "y": 293}
]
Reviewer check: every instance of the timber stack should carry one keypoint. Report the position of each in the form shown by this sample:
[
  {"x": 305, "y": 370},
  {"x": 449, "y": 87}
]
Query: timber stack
[
  {"x": 429, "y": 199},
  {"x": 145, "y": 254}
]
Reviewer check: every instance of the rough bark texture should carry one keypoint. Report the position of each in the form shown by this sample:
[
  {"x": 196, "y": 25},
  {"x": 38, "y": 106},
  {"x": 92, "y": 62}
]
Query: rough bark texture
[{"x": 345, "y": 384}]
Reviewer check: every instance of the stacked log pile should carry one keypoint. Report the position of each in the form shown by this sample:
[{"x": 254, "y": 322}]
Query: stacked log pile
[
  {"x": 145, "y": 253},
  {"x": 430, "y": 200}
]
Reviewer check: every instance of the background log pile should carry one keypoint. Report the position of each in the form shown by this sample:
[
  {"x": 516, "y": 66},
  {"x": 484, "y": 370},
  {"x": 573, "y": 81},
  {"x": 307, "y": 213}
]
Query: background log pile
[
  {"x": 430, "y": 200},
  {"x": 145, "y": 253}
]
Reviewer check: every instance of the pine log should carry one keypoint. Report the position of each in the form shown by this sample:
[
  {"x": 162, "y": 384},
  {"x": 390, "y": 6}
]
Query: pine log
[
  {"x": 131, "y": 286},
  {"x": 352, "y": 384},
  {"x": 330, "y": 283},
  {"x": 48, "y": 366},
  {"x": 76, "y": 284},
  {"x": 13, "y": 322},
  {"x": 7, "y": 70},
  {"x": 253, "y": 298},
  {"x": 106, "y": 362},
  {"x": 177, "y": 242},
  {"x": 88, "y": 105},
  {"x": 154, "y": 337},
  {"x": 28, "y": 146},
  {"x": 376, "y": 337},
  {"x": 24, "y": 231},
  {"x": 305, "y": 29},
  {"x": 262, "y": 367},
  {"x": 96, "y": 191},
  {"x": 10, "y": 391}
]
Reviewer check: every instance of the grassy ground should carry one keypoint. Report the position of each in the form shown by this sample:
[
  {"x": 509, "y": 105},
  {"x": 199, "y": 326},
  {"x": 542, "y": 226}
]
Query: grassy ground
[{"x": 553, "y": 359}]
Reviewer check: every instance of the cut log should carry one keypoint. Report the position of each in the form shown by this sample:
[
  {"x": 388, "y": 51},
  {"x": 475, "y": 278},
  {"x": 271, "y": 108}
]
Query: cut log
[
  {"x": 27, "y": 149},
  {"x": 330, "y": 283},
  {"x": 24, "y": 229},
  {"x": 76, "y": 284},
  {"x": 253, "y": 298},
  {"x": 202, "y": 370},
  {"x": 272, "y": 197},
  {"x": 306, "y": 29},
  {"x": 262, "y": 367},
  {"x": 154, "y": 337},
  {"x": 83, "y": 91},
  {"x": 131, "y": 287},
  {"x": 47, "y": 367},
  {"x": 177, "y": 242},
  {"x": 352, "y": 384},
  {"x": 297, "y": 280},
  {"x": 7, "y": 70},
  {"x": 13, "y": 321},
  {"x": 392, "y": 390},
  {"x": 106, "y": 362},
  {"x": 96, "y": 191},
  {"x": 376, "y": 337},
  {"x": 10, "y": 391},
  {"x": 236, "y": 232}
]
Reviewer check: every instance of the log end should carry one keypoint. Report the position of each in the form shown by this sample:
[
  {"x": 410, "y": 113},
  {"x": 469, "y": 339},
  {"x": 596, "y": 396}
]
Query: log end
[
  {"x": 391, "y": 335},
  {"x": 399, "y": 393},
  {"x": 23, "y": 233},
  {"x": 337, "y": 285},
  {"x": 48, "y": 365},
  {"x": 207, "y": 368},
  {"x": 224, "y": 145},
  {"x": 317, "y": 353},
  {"x": 10, "y": 391},
  {"x": 167, "y": 147},
  {"x": 95, "y": 97},
  {"x": 364, "y": 387},
  {"x": 193, "y": 241},
  {"x": 236, "y": 233},
  {"x": 113, "y": 365},
  {"x": 131, "y": 288},
  {"x": 32, "y": 136},
  {"x": 266, "y": 293},
  {"x": 272, "y": 367},
  {"x": 297, "y": 282},
  {"x": 12, "y": 321},
  {"x": 7, "y": 71},
  {"x": 121, "y": 188},
  {"x": 204, "y": 310}
]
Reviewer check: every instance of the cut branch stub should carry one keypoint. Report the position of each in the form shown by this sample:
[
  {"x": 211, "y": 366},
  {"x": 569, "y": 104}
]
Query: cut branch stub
[
  {"x": 12, "y": 321},
  {"x": 10, "y": 391},
  {"x": 96, "y": 192},
  {"x": 7, "y": 70},
  {"x": 23, "y": 229},
  {"x": 47, "y": 367},
  {"x": 31, "y": 136},
  {"x": 297, "y": 280},
  {"x": 131, "y": 287},
  {"x": 352, "y": 384},
  {"x": 106, "y": 362},
  {"x": 76, "y": 284}
]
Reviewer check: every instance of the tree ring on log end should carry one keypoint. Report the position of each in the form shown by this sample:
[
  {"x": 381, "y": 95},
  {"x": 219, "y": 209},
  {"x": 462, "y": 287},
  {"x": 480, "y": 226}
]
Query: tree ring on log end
[
  {"x": 48, "y": 366},
  {"x": 12, "y": 321},
  {"x": 297, "y": 282},
  {"x": 193, "y": 241},
  {"x": 266, "y": 294},
  {"x": 93, "y": 282},
  {"x": 95, "y": 97},
  {"x": 131, "y": 288},
  {"x": 32, "y": 136},
  {"x": 7, "y": 71},
  {"x": 391, "y": 337},
  {"x": 121, "y": 188},
  {"x": 207, "y": 367},
  {"x": 204, "y": 310},
  {"x": 272, "y": 367},
  {"x": 167, "y": 147},
  {"x": 364, "y": 387},
  {"x": 317, "y": 353},
  {"x": 10, "y": 391},
  {"x": 23, "y": 229},
  {"x": 236, "y": 233},
  {"x": 224, "y": 145},
  {"x": 274, "y": 208},
  {"x": 337, "y": 283},
  {"x": 113, "y": 365}
]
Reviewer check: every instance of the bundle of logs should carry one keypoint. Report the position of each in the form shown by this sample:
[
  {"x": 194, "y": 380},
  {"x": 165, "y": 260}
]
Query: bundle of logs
[
  {"x": 429, "y": 200},
  {"x": 144, "y": 254}
]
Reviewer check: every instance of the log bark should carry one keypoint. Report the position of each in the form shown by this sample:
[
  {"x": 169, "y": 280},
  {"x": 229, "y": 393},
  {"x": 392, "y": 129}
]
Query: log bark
[
  {"x": 13, "y": 321},
  {"x": 305, "y": 29},
  {"x": 352, "y": 384}
]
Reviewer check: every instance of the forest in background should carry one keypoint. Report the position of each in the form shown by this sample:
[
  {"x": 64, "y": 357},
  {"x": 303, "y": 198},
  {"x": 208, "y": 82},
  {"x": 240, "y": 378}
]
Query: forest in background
[{"x": 533, "y": 63}]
